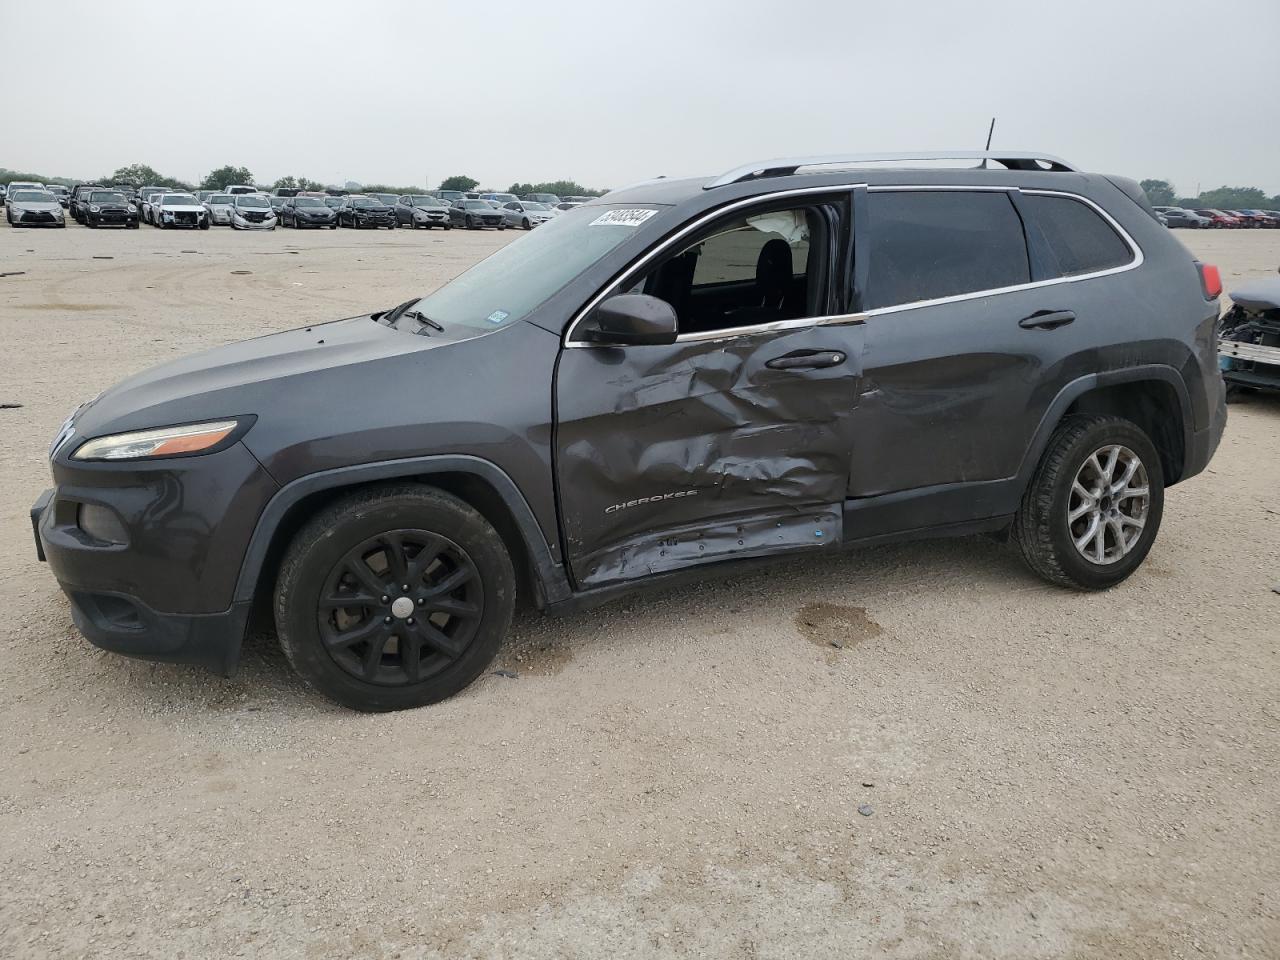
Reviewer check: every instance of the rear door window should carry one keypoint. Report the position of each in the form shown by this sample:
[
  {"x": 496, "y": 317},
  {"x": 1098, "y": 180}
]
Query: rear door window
[
  {"x": 1077, "y": 237},
  {"x": 930, "y": 244}
]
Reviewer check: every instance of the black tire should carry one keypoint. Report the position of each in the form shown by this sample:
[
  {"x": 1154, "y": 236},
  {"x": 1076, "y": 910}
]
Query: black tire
[
  {"x": 470, "y": 224},
  {"x": 526, "y": 224},
  {"x": 362, "y": 673},
  {"x": 133, "y": 226},
  {"x": 448, "y": 226},
  {"x": 333, "y": 226},
  {"x": 1041, "y": 528},
  {"x": 204, "y": 224}
]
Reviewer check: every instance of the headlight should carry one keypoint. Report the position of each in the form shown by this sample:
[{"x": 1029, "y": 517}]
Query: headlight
[
  {"x": 164, "y": 442},
  {"x": 133, "y": 208},
  {"x": 94, "y": 208}
]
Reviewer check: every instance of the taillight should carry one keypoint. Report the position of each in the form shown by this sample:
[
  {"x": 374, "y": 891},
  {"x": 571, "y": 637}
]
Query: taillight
[{"x": 1210, "y": 280}]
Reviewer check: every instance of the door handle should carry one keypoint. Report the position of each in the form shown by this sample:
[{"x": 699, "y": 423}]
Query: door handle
[
  {"x": 807, "y": 359},
  {"x": 1047, "y": 320}
]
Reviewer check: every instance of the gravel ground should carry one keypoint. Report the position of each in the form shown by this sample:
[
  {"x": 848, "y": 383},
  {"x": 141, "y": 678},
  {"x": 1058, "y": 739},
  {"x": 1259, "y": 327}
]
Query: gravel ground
[{"x": 986, "y": 767}]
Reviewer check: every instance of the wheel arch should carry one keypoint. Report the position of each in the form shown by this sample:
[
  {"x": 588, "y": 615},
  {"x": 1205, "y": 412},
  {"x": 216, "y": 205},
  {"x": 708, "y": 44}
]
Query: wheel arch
[
  {"x": 480, "y": 483},
  {"x": 1154, "y": 396}
]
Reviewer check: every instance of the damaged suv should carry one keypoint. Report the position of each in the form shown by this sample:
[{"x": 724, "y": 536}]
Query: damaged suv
[
  {"x": 1250, "y": 338},
  {"x": 791, "y": 358}
]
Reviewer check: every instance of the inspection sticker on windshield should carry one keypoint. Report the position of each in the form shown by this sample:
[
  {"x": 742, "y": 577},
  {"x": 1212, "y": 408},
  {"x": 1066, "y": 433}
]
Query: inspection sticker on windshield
[
  {"x": 497, "y": 316},
  {"x": 622, "y": 218}
]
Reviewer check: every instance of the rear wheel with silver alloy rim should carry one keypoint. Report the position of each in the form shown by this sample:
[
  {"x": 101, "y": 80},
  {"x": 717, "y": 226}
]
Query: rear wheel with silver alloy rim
[
  {"x": 1092, "y": 509},
  {"x": 396, "y": 596}
]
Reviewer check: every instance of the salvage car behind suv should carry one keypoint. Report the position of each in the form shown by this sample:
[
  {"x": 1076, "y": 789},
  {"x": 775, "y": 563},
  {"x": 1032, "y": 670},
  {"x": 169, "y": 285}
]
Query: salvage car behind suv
[{"x": 790, "y": 358}]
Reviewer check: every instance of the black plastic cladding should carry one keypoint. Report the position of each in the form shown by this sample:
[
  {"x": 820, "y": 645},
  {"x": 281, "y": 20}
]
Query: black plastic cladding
[{"x": 931, "y": 421}]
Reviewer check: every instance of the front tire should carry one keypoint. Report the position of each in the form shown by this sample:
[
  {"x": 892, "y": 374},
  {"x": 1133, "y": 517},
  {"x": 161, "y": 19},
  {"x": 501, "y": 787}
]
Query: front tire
[
  {"x": 394, "y": 597},
  {"x": 1093, "y": 507}
]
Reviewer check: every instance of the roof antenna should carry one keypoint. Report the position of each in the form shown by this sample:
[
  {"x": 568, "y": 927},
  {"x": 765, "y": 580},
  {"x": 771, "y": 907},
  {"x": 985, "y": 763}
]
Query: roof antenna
[{"x": 990, "y": 130}]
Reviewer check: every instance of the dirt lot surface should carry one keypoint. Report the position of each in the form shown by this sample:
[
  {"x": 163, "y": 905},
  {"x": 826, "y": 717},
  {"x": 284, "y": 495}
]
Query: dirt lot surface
[{"x": 918, "y": 751}]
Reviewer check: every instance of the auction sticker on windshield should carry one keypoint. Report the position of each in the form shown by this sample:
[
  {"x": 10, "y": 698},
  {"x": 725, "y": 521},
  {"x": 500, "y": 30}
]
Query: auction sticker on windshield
[{"x": 622, "y": 218}]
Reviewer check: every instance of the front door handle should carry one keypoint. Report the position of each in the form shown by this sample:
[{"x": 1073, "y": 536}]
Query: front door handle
[
  {"x": 807, "y": 359},
  {"x": 1047, "y": 320}
]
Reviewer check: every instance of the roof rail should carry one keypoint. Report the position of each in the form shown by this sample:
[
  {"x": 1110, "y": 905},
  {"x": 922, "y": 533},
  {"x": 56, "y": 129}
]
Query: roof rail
[{"x": 784, "y": 167}]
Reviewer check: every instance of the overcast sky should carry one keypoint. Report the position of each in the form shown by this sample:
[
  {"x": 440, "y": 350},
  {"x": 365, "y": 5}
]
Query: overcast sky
[{"x": 606, "y": 93}]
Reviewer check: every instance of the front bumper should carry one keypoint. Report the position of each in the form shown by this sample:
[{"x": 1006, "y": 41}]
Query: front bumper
[
  {"x": 161, "y": 584},
  {"x": 315, "y": 221},
  {"x": 108, "y": 218},
  {"x": 241, "y": 224},
  {"x": 124, "y": 624},
  {"x": 38, "y": 218},
  {"x": 1250, "y": 364}
]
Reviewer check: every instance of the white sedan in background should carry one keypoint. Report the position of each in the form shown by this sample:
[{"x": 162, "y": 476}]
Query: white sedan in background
[{"x": 526, "y": 214}]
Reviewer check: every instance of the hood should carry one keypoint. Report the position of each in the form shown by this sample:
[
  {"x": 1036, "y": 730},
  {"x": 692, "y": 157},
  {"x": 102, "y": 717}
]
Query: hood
[
  {"x": 184, "y": 207},
  {"x": 50, "y": 205},
  {"x": 320, "y": 211},
  {"x": 262, "y": 210},
  {"x": 373, "y": 208},
  {"x": 248, "y": 377}
]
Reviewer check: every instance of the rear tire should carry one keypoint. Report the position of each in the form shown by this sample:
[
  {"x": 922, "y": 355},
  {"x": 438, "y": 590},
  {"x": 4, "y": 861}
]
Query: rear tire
[
  {"x": 362, "y": 653},
  {"x": 1055, "y": 515}
]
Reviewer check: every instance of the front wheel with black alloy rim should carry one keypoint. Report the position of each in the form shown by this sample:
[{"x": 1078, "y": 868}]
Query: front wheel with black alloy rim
[
  {"x": 1093, "y": 508},
  {"x": 394, "y": 597}
]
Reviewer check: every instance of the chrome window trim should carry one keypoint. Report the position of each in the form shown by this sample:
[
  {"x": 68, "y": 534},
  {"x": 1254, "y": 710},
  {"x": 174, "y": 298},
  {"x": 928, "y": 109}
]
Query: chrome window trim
[
  {"x": 1138, "y": 258},
  {"x": 777, "y": 326}
]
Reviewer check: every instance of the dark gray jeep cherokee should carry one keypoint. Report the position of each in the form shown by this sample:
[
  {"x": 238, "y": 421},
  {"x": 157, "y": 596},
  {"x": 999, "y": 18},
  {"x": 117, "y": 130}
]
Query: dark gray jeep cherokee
[{"x": 796, "y": 356}]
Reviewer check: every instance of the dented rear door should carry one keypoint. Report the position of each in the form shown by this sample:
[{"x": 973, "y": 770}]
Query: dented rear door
[{"x": 671, "y": 456}]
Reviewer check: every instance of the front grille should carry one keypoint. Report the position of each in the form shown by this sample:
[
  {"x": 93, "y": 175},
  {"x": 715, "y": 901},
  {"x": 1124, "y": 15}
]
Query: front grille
[
  {"x": 254, "y": 217},
  {"x": 185, "y": 216},
  {"x": 37, "y": 216}
]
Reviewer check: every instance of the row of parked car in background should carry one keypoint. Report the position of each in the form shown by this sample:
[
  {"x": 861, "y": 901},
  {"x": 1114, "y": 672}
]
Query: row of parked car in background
[
  {"x": 1221, "y": 219},
  {"x": 246, "y": 207}
]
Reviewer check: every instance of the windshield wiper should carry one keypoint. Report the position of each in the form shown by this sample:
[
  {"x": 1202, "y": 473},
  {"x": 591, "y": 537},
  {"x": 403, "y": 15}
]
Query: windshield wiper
[
  {"x": 389, "y": 317},
  {"x": 423, "y": 319}
]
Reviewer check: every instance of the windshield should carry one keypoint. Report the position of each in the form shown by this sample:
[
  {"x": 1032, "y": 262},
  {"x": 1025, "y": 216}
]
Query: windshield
[
  {"x": 476, "y": 205},
  {"x": 506, "y": 286},
  {"x": 31, "y": 195},
  {"x": 333, "y": 201},
  {"x": 107, "y": 197},
  {"x": 173, "y": 199},
  {"x": 308, "y": 202},
  {"x": 427, "y": 202},
  {"x": 252, "y": 202},
  {"x": 531, "y": 205},
  {"x": 365, "y": 202},
  {"x": 222, "y": 198},
  {"x": 387, "y": 198}
]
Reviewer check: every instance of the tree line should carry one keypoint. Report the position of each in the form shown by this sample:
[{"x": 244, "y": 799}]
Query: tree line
[{"x": 1161, "y": 193}]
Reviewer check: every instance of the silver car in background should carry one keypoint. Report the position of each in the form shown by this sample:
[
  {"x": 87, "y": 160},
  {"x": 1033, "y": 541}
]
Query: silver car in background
[
  {"x": 526, "y": 214},
  {"x": 252, "y": 211},
  {"x": 33, "y": 208},
  {"x": 421, "y": 210},
  {"x": 220, "y": 206}
]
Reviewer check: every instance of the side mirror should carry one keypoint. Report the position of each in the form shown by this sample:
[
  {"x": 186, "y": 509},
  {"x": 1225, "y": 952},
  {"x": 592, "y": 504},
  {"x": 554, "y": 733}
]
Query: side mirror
[{"x": 635, "y": 319}]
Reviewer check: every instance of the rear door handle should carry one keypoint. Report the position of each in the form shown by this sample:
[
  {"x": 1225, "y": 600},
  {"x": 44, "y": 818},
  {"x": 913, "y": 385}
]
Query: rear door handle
[
  {"x": 807, "y": 359},
  {"x": 1047, "y": 320}
]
